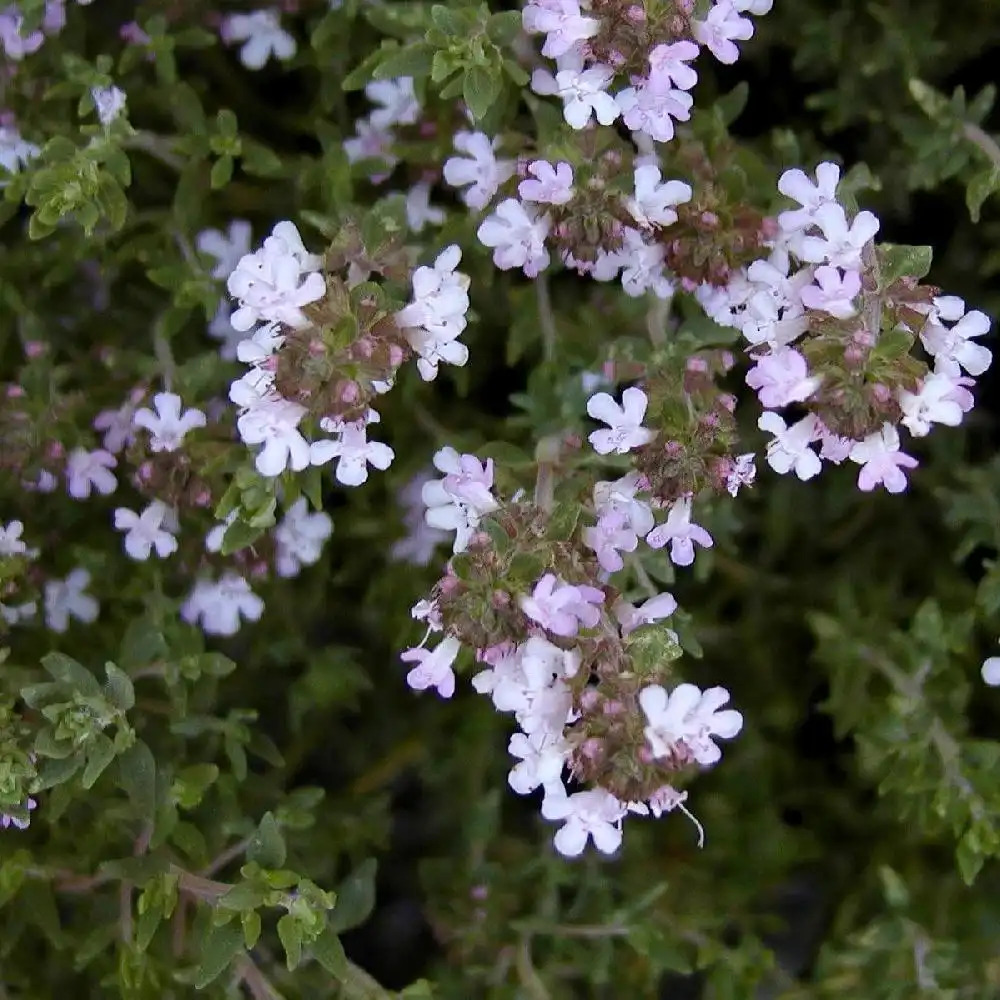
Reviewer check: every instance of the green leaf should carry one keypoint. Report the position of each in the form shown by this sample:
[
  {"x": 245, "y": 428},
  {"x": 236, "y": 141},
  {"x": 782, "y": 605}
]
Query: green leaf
[
  {"x": 290, "y": 935},
  {"x": 355, "y": 898},
  {"x": 329, "y": 952},
  {"x": 100, "y": 753},
  {"x": 137, "y": 774},
  {"x": 221, "y": 946},
  {"x": 119, "y": 689},
  {"x": 251, "y": 928},
  {"x": 267, "y": 846},
  {"x": 980, "y": 187},
  {"x": 75, "y": 676},
  {"x": 222, "y": 172},
  {"x": 412, "y": 60},
  {"x": 504, "y": 27},
  {"x": 480, "y": 90},
  {"x": 896, "y": 260},
  {"x": 139, "y": 870},
  {"x": 244, "y": 897},
  {"x": 239, "y": 535}
]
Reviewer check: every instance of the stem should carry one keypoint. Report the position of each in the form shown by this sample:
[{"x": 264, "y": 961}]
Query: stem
[
  {"x": 125, "y": 890},
  {"x": 546, "y": 318},
  {"x": 255, "y": 981},
  {"x": 229, "y": 854},
  {"x": 588, "y": 931},
  {"x": 984, "y": 141},
  {"x": 872, "y": 300},
  {"x": 158, "y": 146}
]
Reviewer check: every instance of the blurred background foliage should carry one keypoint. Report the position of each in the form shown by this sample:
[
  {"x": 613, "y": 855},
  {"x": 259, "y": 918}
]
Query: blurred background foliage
[{"x": 849, "y": 628}]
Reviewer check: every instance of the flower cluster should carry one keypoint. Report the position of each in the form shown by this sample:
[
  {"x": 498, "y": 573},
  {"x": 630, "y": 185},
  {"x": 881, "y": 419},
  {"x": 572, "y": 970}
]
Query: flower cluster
[
  {"x": 830, "y": 335},
  {"x": 397, "y": 105},
  {"x": 581, "y": 669},
  {"x": 323, "y": 345},
  {"x": 651, "y": 45}
]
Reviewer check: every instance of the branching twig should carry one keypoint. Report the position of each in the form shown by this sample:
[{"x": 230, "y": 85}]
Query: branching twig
[{"x": 983, "y": 141}]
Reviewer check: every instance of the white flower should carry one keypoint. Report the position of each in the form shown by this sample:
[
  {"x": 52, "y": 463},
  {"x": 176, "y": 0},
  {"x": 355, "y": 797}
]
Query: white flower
[
  {"x": 517, "y": 236},
  {"x": 651, "y": 610},
  {"x": 642, "y": 266},
  {"x": 881, "y": 461},
  {"x": 108, "y": 103},
  {"x": 583, "y": 91},
  {"x": 941, "y": 398},
  {"x": 841, "y": 245},
  {"x": 86, "y": 470},
  {"x": 398, "y": 102},
  {"x": 15, "y": 614},
  {"x": 721, "y": 27},
  {"x": 548, "y": 184},
  {"x": 433, "y": 667},
  {"x": 214, "y": 539},
  {"x": 653, "y": 202},
  {"x": 274, "y": 423},
  {"x": 479, "y": 170},
  {"x": 262, "y": 35},
  {"x": 219, "y": 607},
  {"x": 591, "y": 815},
  {"x": 685, "y": 721},
  {"x": 743, "y": 473},
  {"x": 991, "y": 671},
  {"x": 561, "y": 21},
  {"x": 954, "y": 345},
  {"x": 15, "y": 152},
  {"x": 167, "y": 426},
  {"x": 541, "y": 758},
  {"x": 625, "y": 422},
  {"x": 620, "y": 497},
  {"x": 651, "y": 107},
  {"x": 275, "y": 282},
  {"x": 299, "y": 538},
  {"x": 10, "y": 539},
  {"x": 681, "y": 533},
  {"x": 796, "y": 185},
  {"x": 228, "y": 248},
  {"x": 352, "y": 449},
  {"x": 370, "y": 143},
  {"x": 146, "y": 531},
  {"x": 421, "y": 540},
  {"x": 789, "y": 448},
  {"x": 436, "y": 316},
  {"x": 65, "y": 599},
  {"x": 419, "y": 212},
  {"x": 461, "y": 498}
]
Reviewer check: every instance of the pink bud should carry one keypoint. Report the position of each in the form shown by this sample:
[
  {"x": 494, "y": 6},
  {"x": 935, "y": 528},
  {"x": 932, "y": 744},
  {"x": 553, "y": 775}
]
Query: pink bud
[
  {"x": 689, "y": 285},
  {"x": 448, "y": 583},
  {"x": 348, "y": 392},
  {"x": 589, "y": 700},
  {"x": 55, "y": 450},
  {"x": 636, "y": 14},
  {"x": 709, "y": 219},
  {"x": 145, "y": 472},
  {"x": 727, "y": 360},
  {"x": 608, "y": 370},
  {"x": 645, "y": 754},
  {"x": 854, "y": 356},
  {"x": 203, "y": 498},
  {"x": 500, "y": 599},
  {"x": 769, "y": 228},
  {"x": 592, "y": 749},
  {"x": 428, "y": 129},
  {"x": 613, "y": 707},
  {"x": 15, "y": 392},
  {"x": 696, "y": 364},
  {"x": 35, "y": 348},
  {"x": 365, "y": 347},
  {"x": 728, "y": 402},
  {"x": 317, "y": 348},
  {"x": 881, "y": 393},
  {"x": 673, "y": 449},
  {"x": 479, "y": 892},
  {"x": 395, "y": 355}
]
